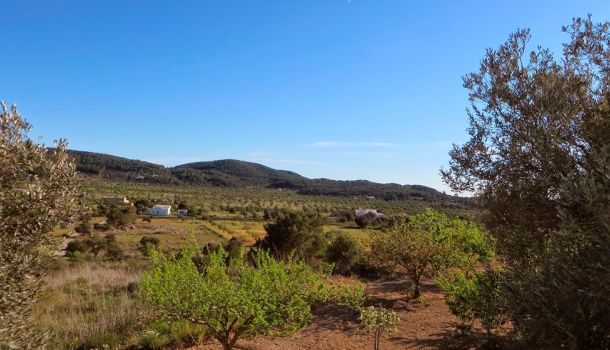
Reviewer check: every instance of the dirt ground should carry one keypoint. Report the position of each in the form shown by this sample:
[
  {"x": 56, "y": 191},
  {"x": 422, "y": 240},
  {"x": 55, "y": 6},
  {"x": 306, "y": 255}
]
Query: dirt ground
[{"x": 425, "y": 324}]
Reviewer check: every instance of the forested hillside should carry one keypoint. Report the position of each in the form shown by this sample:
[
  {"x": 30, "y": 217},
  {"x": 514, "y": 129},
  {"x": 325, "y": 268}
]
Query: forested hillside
[{"x": 236, "y": 173}]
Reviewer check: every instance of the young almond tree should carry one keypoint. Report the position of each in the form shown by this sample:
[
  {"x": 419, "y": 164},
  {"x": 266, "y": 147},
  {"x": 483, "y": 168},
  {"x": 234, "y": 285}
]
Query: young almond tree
[
  {"x": 429, "y": 243},
  {"x": 375, "y": 321},
  {"x": 232, "y": 299}
]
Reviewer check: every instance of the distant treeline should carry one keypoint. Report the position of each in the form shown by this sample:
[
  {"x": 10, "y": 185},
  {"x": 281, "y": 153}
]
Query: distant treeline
[{"x": 236, "y": 174}]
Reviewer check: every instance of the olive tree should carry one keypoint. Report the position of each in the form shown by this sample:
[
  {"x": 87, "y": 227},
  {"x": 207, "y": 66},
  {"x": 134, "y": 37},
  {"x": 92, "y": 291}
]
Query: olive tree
[
  {"x": 537, "y": 161},
  {"x": 295, "y": 232},
  {"x": 233, "y": 299},
  {"x": 38, "y": 191}
]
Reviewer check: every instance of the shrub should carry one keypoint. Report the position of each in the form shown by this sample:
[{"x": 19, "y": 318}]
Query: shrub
[
  {"x": 146, "y": 242},
  {"x": 95, "y": 246},
  {"x": 84, "y": 227},
  {"x": 478, "y": 297},
  {"x": 121, "y": 216},
  {"x": 345, "y": 252},
  {"x": 114, "y": 251},
  {"x": 101, "y": 227},
  {"x": 232, "y": 299},
  {"x": 234, "y": 247},
  {"x": 76, "y": 246},
  {"x": 299, "y": 232}
]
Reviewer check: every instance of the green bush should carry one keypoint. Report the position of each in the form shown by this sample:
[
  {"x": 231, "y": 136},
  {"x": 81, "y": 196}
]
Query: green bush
[
  {"x": 121, "y": 216},
  {"x": 298, "y": 232},
  {"x": 76, "y": 246},
  {"x": 478, "y": 297},
  {"x": 146, "y": 242},
  {"x": 344, "y": 252},
  {"x": 95, "y": 246},
  {"x": 232, "y": 299}
]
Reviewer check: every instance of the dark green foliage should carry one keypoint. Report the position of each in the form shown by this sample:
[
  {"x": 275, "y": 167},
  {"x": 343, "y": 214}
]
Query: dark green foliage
[
  {"x": 121, "y": 216},
  {"x": 479, "y": 296},
  {"x": 95, "y": 246},
  {"x": 84, "y": 227},
  {"x": 148, "y": 242},
  {"x": 538, "y": 162},
  {"x": 118, "y": 168},
  {"x": 344, "y": 252},
  {"x": 76, "y": 246},
  {"x": 343, "y": 215},
  {"x": 298, "y": 232},
  {"x": 233, "y": 247},
  {"x": 142, "y": 205},
  {"x": 101, "y": 227}
]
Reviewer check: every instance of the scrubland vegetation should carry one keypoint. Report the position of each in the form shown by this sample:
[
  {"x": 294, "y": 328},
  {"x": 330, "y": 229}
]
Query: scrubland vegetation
[{"x": 527, "y": 267}]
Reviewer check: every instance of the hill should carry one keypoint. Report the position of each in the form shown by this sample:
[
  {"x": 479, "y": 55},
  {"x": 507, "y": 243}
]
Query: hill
[{"x": 237, "y": 173}]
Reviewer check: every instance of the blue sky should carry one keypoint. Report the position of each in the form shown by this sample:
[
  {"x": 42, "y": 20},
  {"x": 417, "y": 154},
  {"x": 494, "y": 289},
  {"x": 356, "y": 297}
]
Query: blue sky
[{"x": 360, "y": 89}]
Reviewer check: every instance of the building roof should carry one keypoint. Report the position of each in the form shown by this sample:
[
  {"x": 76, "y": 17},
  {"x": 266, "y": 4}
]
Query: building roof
[{"x": 160, "y": 206}]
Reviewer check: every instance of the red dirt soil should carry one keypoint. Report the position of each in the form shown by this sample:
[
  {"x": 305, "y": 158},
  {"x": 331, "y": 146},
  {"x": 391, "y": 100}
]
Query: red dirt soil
[{"x": 425, "y": 324}]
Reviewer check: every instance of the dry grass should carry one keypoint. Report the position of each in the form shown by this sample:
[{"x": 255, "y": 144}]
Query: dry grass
[{"x": 87, "y": 306}]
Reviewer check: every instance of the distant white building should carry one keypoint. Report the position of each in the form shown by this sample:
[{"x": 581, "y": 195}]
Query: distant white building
[
  {"x": 160, "y": 210},
  {"x": 116, "y": 201},
  {"x": 183, "y": 212},
  {"x": 363, "y": 212}
]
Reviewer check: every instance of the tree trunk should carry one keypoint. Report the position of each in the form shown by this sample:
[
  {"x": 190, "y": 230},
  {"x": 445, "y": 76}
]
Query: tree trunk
[
  {"x": 377, "y": 334},
  {"x": 227, "y": 346},
  {"x": 416, "y": 292}
]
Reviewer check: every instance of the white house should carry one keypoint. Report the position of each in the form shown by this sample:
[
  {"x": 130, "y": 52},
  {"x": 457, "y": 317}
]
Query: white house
[
  {"x": 160, "y": 210},
  {"x": 363, "y": 212}
]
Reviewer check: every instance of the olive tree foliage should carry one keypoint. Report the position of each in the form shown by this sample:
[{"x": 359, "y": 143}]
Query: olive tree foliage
[
  {"x": 538, "y": 162},
  {"x": 233, "y": 299},
  {"x": 295, "y": 232},
  {"x": 38, "y": 191},
  {"x": 429, "y": 243},
  {"x": 344, "y": 251}
]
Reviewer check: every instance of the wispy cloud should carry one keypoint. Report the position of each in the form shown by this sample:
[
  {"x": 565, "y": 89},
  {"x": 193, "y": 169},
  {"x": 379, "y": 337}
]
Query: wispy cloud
[
  {"x": 279, "y": 157},
  {"x": 343, "y": 144},
  {"x": 280, "y": 160}
]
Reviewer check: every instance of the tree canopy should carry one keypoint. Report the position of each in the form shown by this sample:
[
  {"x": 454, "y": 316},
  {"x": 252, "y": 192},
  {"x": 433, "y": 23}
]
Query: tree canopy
[
  {"x": 298, "y": 232},
  {"x": 537, "y": 160},
  {"x": 430, "y": 242},
  {"x": 233, "y": 299},
  {"x": 39, "y": 190}
]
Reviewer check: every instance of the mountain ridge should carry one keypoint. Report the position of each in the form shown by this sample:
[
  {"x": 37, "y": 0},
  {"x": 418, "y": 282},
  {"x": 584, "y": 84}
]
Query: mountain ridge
[{"x": 239, "y": 173}]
